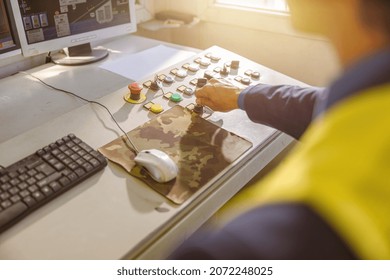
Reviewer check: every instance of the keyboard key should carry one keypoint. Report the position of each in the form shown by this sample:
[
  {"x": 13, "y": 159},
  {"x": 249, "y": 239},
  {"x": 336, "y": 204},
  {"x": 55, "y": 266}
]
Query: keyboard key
[
  {"x": 40, "y": 176},
  {"x": 22, "y": 170},
  {"x": 55, "y": 186},
  {"x": 4, "y": 196},
  {"x": 15, "y": 198},
  {"x": 4, "y": 179},
  {"x": 23, "y": 185},
  {"x": 24, "y": 193},
  {"x": 5, "y": 186},
  {"x": 23, "y": 177},
  {"x": 31, "y": 181},
  {"x": 87, "y": 166},
  {"x": 53, "y": 177},
  {"x": 38, "y": 195},
  {"x": 59, "y": 166},
  {"x": 12, "y": 212},
  {"x": 13, "y": 174},
  {"x": 72, "y": 176},
  {"x": 29, "y": 201},
  {"x": 80, "y": 172},
  {"x": 45, "y": 168},
  {"x": 32, "y": 172},
  {"x": 14, "y": 182},
  {"x": 33, "y": 188},
  {"x": 5, "y": 204},
  {"x": 13, "y": 190},
  {"x": 64, "y": 181},
  {"x": 34, "y": 164},
  {"x": 46, "y": 190}
]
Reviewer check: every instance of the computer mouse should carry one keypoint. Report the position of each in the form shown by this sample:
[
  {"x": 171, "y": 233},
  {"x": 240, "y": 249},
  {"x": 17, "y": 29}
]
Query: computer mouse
[{"x": 158, "y": 164}]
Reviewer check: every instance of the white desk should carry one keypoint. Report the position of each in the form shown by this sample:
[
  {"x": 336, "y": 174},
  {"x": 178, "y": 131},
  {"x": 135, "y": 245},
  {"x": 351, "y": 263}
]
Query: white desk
[{"x": 111, "y": 215}]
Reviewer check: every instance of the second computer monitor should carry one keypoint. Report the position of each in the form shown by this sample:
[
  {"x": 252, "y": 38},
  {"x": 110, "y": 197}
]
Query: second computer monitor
[
  {"x": 50, "y": 25},
  {"x": 8, "y": 37}
]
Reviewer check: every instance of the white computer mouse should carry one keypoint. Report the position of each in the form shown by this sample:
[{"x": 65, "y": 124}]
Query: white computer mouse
[{"x": 159, "y": 165}]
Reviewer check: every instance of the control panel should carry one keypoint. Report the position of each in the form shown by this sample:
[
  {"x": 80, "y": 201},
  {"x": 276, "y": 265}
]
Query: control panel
[{"x": 177, "y": 85}]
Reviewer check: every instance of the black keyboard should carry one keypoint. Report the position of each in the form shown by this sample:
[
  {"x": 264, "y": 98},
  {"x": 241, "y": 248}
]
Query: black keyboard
[{"x": 37, "y": 179}]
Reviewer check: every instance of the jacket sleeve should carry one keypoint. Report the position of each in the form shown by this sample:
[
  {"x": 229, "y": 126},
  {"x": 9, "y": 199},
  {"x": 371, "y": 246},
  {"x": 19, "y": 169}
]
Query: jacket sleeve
[
  {"x": 283, "y": 107},
  {"x": 273, "y": 232}
]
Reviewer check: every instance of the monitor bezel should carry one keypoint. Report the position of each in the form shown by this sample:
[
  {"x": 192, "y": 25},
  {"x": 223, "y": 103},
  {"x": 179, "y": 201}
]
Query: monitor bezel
[
  {"x": 15, "y": 50},
  {"x": 72, "y": 40}
]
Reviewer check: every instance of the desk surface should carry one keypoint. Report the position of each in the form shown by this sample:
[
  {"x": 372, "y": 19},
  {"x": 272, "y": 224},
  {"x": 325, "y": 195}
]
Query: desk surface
[{"x": 111, "y": 215}]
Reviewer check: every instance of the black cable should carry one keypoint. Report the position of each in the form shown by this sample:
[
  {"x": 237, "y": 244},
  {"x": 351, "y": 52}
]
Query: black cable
[{"x": 133, "y": 147}]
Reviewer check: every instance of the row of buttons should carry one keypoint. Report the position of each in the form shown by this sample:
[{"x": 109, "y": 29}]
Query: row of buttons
[{"x": 135, "y": 96}]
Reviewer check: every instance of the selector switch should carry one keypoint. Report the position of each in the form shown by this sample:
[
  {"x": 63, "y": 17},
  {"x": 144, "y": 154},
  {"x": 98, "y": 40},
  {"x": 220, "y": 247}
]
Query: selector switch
[
  {"x": 154, "y": 85},
  {"x": 235, "y": 64},
  {"x": 198, "y": 109},
  {"x": 201, "y": 82},
  {"x": 202, "y": 111},
  {"x": 225, "y": 70}
]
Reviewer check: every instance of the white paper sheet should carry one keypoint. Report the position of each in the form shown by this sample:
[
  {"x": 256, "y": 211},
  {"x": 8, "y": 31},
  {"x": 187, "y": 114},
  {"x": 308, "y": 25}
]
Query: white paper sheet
[{"x": 145, "y": 63}]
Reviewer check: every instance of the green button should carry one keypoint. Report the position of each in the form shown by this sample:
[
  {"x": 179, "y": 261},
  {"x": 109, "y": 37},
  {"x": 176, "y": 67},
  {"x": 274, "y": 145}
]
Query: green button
[{"x": 176, "y": 97}]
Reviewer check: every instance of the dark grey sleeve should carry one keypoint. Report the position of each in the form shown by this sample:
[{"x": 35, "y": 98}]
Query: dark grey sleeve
[
  {"x": 273, "y": 232},
  {"x": 286, "y": 108}
]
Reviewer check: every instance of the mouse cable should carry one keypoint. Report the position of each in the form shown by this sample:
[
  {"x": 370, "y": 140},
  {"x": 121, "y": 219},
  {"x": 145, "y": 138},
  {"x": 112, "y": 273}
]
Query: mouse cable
[{"x": 133, "y": 147}]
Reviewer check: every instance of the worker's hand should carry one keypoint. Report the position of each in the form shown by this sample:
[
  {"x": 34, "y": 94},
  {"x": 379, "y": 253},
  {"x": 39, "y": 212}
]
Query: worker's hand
[{"x": 218, "y": 95}]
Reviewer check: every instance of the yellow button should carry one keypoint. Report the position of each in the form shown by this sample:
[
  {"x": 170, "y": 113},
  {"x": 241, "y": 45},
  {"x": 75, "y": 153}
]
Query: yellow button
[{"x": 156, "y": 108}]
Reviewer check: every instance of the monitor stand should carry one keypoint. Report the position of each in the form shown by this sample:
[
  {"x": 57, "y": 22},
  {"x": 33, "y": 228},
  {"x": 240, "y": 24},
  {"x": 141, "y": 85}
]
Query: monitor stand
[{"x": 79, "y": 55}]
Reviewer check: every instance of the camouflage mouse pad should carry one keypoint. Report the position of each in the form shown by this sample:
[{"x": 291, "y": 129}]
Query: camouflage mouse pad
[{"x": 200, "y": 148}]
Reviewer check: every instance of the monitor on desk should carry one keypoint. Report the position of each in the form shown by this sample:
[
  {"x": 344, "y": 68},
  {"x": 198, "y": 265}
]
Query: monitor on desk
[
  {"x": 9, "y": 44},
  {"x": 71, "y": 25}
]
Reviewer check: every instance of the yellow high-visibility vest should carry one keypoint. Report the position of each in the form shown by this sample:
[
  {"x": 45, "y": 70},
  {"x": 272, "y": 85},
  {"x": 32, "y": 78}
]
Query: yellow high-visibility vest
[{"x": 342, "y": 171}]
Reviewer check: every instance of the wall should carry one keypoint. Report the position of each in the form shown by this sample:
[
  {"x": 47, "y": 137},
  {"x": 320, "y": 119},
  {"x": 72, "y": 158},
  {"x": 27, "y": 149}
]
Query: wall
[{"x": 265, "y": 38}]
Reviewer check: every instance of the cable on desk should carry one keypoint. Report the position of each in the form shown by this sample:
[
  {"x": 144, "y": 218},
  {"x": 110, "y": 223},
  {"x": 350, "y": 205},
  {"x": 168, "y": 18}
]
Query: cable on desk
[{"x": 133, "y": 147}]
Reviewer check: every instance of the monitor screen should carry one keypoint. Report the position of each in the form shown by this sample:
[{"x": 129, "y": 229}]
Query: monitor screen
[
  {"x": 8, "y": 35},
  {"x": 50, "y": 25}
]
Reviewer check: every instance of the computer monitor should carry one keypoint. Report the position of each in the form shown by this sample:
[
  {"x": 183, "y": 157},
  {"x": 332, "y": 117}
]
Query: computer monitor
[
  {"x": 9, "y": 44},
  {"x": 71, "y": 25}
]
